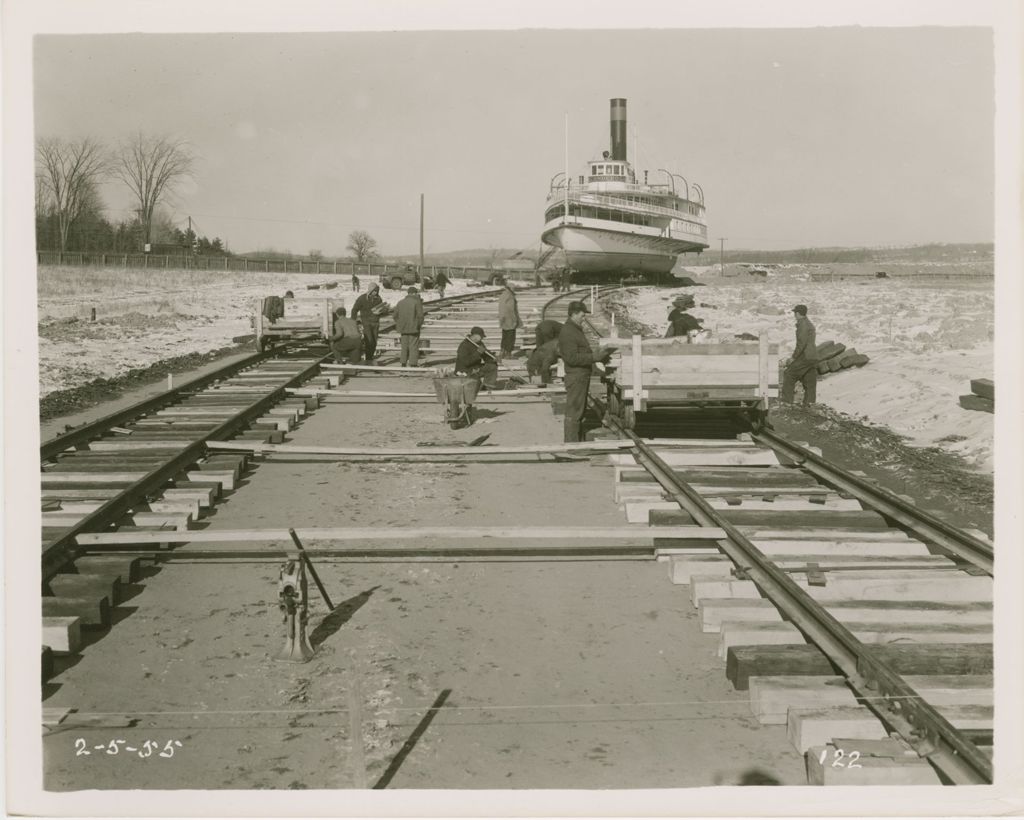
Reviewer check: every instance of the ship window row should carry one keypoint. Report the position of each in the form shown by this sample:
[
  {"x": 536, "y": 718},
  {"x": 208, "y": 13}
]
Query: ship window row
[
  {"x": 602, "y": 213},
  {"x": 613, "y": 169}
]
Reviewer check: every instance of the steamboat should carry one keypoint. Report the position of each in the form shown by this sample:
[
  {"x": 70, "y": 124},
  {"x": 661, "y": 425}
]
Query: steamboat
[{"x": 612, "y": 226}]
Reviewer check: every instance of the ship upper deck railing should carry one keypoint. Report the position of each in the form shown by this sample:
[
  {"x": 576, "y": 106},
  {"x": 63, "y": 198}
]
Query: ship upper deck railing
[
  {"x": 613, "y": 198},
  {"x": 617, "y": 203}
]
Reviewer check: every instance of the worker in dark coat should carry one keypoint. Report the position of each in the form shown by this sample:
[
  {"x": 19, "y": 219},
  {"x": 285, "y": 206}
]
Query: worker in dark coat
[
  {"x": 542, "y": 360},
  {"x": 473, "y": 359},
  {"x": 441, "y": 283},
  {"x": 681, "y": 323},
  {"x": 546, "y": 330},
  {"x": 579, "y": 359},
  {"x": 408, "y": 323},
  {"x": 368, "y": 308},
  {"x": 803, "y": 365},
  {"x": 346, "y": 338}
]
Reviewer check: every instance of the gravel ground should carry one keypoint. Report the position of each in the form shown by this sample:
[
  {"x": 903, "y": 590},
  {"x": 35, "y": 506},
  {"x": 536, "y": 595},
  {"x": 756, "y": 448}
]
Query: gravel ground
[{"x": 560, "y": 674}]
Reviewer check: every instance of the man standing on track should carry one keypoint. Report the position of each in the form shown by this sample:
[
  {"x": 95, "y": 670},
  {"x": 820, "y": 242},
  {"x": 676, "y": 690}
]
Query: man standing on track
[
  {"x": 368, "y": 308},
  {"x": 508, "y": 318},
  {"x": 473, "y": 359},
  {"x": 441, "y": 283},
  {"x": 579, "y": 359},
  {"x": 408, "y": 322},
  {"x": 803, "y": 365},
  {"x": 346, "y": 338}
]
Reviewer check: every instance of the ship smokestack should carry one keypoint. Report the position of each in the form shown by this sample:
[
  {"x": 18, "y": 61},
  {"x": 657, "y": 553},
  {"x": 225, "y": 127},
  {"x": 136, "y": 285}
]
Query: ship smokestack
[{"x": 618, "y": 124}]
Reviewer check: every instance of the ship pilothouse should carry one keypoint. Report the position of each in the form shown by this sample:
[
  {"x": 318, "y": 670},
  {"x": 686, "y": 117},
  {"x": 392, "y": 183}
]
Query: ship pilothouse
[{"x": 609, "y": 223}]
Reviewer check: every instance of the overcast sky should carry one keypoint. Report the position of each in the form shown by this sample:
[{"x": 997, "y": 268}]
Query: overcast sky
[{"x": 813, "y": 137}]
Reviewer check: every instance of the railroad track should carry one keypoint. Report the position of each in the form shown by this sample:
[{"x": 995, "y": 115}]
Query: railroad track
[
  {"x": 859, "y": 620},
  {"x": 148, "y": 468},
  {"x": 824, "y": 589}
]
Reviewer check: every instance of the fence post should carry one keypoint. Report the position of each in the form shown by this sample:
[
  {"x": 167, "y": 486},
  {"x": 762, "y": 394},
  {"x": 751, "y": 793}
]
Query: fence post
[
  {"x": 300, "y": 266},
  {"x": 103, "y": 260},
  {"x": 335, "y": 267},
  {"x": 353, "y": 268},
  {"x": 125, "y": 261},
  {"x": 145, "y": 260}
]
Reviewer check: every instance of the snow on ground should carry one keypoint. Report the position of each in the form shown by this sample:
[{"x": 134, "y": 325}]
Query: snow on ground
[
  {"x": 926, "y": 343},
  {"x": 143, "y": 317}
]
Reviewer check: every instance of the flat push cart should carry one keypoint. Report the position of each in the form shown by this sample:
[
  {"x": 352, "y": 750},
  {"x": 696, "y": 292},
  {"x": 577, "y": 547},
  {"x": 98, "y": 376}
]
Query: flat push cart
[{"x": 674, "y": 376}]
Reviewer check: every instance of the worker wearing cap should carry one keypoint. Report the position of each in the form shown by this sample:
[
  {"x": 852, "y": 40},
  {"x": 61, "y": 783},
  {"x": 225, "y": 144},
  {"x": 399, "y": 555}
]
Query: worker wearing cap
[
  {"x": 473, "y": 359},
  {"x": 681, "y": 323},
  {"x": 579, "y": 359},
  {"x": 408, "y": 322},
  {"x": 368, "y": 309},
  {"x": 346, "y": 338},
  {"x": 508, "y": 318},
  {"x": 803, "y": 365}
]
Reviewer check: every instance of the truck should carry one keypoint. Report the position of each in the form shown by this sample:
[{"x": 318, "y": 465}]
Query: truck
[{"x": 405, "y": 276}]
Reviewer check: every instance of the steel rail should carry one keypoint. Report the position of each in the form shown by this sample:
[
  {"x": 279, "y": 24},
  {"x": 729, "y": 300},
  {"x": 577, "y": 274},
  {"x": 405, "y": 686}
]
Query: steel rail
[
  {"x": 887, "y": 694},
  {"x": 64, "y": 547},
  {"x": 921, "y": 523}
]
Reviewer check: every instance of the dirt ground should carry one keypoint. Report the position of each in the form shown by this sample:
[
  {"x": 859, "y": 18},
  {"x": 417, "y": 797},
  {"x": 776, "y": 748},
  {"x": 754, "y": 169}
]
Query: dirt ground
[{"x": 470, "y": 674}]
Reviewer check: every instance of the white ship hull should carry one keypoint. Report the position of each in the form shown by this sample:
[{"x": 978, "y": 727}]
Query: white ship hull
[{"x": 597, "y": 250}]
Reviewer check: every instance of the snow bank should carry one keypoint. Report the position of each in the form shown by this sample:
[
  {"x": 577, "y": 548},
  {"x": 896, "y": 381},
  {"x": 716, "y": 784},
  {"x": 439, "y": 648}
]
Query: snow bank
[
  {"x": 143, "y": 320},
  {"x": 926, "y": 343}
]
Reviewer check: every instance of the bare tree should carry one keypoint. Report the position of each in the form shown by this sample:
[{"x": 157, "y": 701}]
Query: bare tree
[
  {"x": 362, "y": 245},
  {"x": 68, "y": 172},
  {"x": 151, "y": 167}
]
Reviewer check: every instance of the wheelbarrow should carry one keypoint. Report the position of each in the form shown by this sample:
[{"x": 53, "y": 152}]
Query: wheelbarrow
[{"x": 456, "y": 394}]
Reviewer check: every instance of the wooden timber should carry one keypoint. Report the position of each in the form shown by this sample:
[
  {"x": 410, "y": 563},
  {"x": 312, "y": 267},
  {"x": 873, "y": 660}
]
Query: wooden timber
[
  {"x": 904, "y": 659},
  {"x": 617, "y": 534}
]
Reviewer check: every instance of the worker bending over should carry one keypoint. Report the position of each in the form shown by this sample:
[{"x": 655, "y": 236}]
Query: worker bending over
[
  {"x": 681, "y": 323},
  {"x": 579, "y": 360},
  {"x": 346, "y": 338},
  {"x": 473, "y": 359}
]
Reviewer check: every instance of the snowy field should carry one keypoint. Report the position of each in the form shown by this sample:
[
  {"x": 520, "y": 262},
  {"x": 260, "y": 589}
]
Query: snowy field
[
  {"x": 146, "y": 316},
  {"x": 926, "y": 343}
]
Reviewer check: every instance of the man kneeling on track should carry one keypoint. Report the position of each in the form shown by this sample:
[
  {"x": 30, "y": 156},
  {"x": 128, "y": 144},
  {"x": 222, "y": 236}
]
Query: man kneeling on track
[
  {"x": 473, "y": 359},
  {"x": 346, "y": 339}
]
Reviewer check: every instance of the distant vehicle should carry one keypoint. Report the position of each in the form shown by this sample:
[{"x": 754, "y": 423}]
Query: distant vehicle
[
  {"x": 487, "y": 276},
  {"x": 404, "y": 277}
]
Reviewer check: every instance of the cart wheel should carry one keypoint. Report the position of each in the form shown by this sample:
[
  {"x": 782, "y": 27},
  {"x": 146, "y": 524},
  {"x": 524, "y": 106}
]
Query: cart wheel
[{"x": 628, "y": 417}]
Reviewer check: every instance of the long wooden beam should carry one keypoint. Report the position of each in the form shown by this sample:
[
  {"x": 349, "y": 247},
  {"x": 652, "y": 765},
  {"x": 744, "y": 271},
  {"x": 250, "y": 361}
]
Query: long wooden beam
[
  {"x": 520, "y": 391},
  {"x": 386, "y": 452},
  {"x": 401, "y": 534}
]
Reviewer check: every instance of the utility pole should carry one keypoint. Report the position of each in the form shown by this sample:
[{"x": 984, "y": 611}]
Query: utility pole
[
  {"x": 421, "y": 234},
  {"x": 721, "y": 255}
]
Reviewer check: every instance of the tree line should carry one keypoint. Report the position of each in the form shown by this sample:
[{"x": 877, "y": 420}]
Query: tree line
[{"x": 70, "y": 214}]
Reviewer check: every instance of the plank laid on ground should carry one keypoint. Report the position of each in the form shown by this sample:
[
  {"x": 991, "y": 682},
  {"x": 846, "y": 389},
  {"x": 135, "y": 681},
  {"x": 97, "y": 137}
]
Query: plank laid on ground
[
  {"x": 62, "y": 633},
  {"x": 739, "y": 633},
  {"x": 985, "y": 388},
  {"x": 226, "y": 478},
  {"x": 951, "y": 586},
  {"x": 972, "y": 402},
  {"x": 816, "y": 727},
  {"x": 874, "y": 763},
  {"x": 93, "y": 612},
  {"x": 709, "y": 457},
  {"x": 127, "y": 568},
  {"x": 519, "y": 391},
  {"x": 87, "y": 585},
  {"x": 831, "y": 547},
  {"x": 400, "y": 533},
  {"x": 781, "y": 518},
  {"x": 639, "y": 512},
  {"x": 713, "y": 611},
  {"x": 772, "y": 697},
  {"x": 682, "y": 568},
  {"x": 384, "y": 452},
  {"x": 743, "y": 662}
]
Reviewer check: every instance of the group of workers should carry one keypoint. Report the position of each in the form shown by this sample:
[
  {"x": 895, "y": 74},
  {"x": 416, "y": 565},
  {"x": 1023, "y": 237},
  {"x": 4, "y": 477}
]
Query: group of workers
[{"x": 356, "y": 336}]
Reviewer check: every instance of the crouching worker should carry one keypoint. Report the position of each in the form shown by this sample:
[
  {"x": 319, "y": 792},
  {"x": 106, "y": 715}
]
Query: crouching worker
[
  {"x": 473, "y": 359},
  {"x": 542, "y": 360},
  {"x": 346, "y": 338}
]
